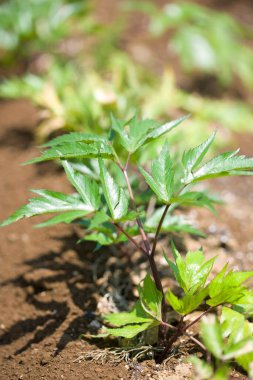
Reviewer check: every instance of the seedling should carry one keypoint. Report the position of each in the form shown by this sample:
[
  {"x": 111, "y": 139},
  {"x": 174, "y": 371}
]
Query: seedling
[{"x": 109, "y": 214}]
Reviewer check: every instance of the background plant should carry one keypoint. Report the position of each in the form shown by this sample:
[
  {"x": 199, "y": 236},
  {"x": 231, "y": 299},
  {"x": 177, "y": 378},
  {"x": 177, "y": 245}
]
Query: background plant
[
  {"x": 101, "y": 207},
  {"x": 77, "y": 87},
  {"x": 204, "y": 39},
  {"x": 32, "y": 27}
]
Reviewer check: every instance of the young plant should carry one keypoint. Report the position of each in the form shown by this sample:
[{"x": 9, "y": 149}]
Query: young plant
[
  {"x": 229, "y": 338},
  {"x": 104, "y": 205}
]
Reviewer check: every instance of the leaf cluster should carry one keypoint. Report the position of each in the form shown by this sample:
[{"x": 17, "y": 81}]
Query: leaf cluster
[{"x": 227, "y": 338}]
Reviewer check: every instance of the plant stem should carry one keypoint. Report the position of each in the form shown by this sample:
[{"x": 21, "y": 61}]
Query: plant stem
[
  {"x": 199, "y": 317},
  {"x": 139, "y": 222},
  {"x": 130, "y": 238},
  {"x": 162, "y": 219},
  {"x": 181, "y": 330},
  {"x": 147, "y": 249},
  {"x": 201, "y": 345},
  {"x": 144, "y": 237},
  {"x": 158, "y": 229}
]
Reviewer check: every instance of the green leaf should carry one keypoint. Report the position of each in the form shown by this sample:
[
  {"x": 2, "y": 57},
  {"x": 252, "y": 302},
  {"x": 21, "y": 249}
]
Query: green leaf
[
  {"x": 170, "y": 224},
  {"x": 225, "y": 164},
  {"x": 197, "y": 198},
  {"x": 226, "y": 295},
  {"x": 231, "y": 322},
  {"x": 230, "y": 280},
  {"x": 179, "y": 268},
  {"x": 227, "y": 288},
  {"x": 136, "y": 315},
  {"x": 132, "y": 215},
  {"x": 192, "y": 273},
  {"x": 86, "y": 187},
  {"x": 151, "y": 298},
  {"x": 222, "y": 372},
  {"x": 240, "y": 341},
  {"x": 215, "y": 285},
  {"x": 197, "y": 270},
  {"x": 49, "y": 202},
  {"x": 75, "y": 137},
  {"x": 140, "y": 131},
  {"x": 98, "y": 219},
  {"x": 245, "y": 303},
  {"x": 239, "y": 349},
  {"x": 188, "y": 302},
  {"x": 104, "y": 233},
  {"x": 162, "y": 179},
  {"x": 130, "y": 331},
  {"x": 212, "y": 335},
  {"x": 71, "y": 150},
  {"x": 193, "y": 157},
  {"x": 118, "y": 126},
  {"x": 114, "y": 195},
  {"x": 164, "y": 128},
  {"x": 66, "y": 217}
]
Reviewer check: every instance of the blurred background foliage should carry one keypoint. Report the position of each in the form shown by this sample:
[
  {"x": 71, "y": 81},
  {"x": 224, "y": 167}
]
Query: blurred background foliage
[{"x": 77, "y": 62}]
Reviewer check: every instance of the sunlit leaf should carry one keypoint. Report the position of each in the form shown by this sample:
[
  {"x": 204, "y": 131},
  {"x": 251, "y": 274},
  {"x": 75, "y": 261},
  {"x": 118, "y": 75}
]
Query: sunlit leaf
[
  {"x": 136, "y": 315},
  {"x": 162, "y": 179},
  {"x": 115, "y": 196},
  {"x": 212, "y": 335},
  {"x": 48, "y": 202},
  {"x": 71, "y": 150}
]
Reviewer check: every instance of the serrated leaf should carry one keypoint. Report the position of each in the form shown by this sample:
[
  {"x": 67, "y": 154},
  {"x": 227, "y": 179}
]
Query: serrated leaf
[
  {"x": 49, "y": 202},
  {"x": 66, "y": 217},
  {"x": 193, "y": 157},
  {"x": 74, "y": 150},
  {"x": 98, "y": 219},
  {"x": 75, "y": 137},
  {"x": 197, "y": 271},
  {"x": 197, "y": 198},
  {"x": 136, "y": 315},
  {"x": 162, "y": 179},
  {"x": 164, "y": 128},
  {"x": 227, "y": 288},
  {"x": 130, "y": 331},
  {"x": 215, "y": 284},
  {"x": 141, "y": 131},
  {"x": 227, "y": 295},
  {"x": 118, "y": 126},
  {"x": 171, "y": 223},
  {"x": 86, "y": 187},
  {"x": 114, "y": 195},
  {"x": 225, "y": 164},
  {"x": 192, "y": 273},
  {"x": 187, "y": 303},
  {"x": 151, "y": 298},
  {"x": 104, "y": 239},
  {"x": 212, "y": 335},
  {"x": 178, "y": 268}
]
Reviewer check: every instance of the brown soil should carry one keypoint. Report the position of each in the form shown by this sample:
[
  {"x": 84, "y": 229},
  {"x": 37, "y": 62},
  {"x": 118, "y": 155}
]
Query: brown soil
[{"x": 48, "y": 296}]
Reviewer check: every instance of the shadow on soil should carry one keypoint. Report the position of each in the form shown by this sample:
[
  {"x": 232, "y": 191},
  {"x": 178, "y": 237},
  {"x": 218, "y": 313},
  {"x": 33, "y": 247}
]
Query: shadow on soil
[{"x": 60, "y": 287}]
